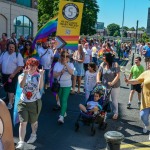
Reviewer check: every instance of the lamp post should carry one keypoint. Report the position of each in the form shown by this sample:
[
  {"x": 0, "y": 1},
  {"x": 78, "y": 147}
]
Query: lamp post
[
  {"x": 123, "y": 21},
  {"x": 122, "y": 28}
]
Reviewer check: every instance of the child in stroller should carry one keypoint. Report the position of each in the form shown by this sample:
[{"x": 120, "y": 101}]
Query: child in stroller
[
  {"x": 92, "y": 107},
  {"x": 95, "y": 109}
]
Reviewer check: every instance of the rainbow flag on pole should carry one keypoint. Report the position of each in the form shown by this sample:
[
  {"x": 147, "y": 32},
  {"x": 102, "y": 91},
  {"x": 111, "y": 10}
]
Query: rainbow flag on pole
[{"x": 45, "y": 31}]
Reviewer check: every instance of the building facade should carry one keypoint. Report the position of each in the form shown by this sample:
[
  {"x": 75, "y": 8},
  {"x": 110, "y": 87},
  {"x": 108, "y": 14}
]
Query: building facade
[{"x": 19, "y": 16}]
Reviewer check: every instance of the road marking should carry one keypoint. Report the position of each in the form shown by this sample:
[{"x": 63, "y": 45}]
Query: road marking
[
  {"x": 136, "y": 145},
  {"x": 142, "y": 149}
]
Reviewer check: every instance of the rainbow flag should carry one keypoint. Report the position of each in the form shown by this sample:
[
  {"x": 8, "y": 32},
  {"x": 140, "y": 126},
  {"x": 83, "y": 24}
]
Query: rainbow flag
[
  {"x": 71, "y": 42},
  {"x": 34, "y": 55},
  {"x": 45, "y": 31}
]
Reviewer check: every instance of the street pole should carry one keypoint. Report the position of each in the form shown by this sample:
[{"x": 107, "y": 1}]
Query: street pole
[
  {"x": 122, "y": 27},
  {"x": 137, "y": 24}
]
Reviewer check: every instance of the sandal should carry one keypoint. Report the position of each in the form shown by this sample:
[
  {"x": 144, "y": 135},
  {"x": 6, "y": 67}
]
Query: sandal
[
  {"x": 115, "y": 117},
  {"x": 72, "y": 92},
  {"x": 78, "y": 92}
]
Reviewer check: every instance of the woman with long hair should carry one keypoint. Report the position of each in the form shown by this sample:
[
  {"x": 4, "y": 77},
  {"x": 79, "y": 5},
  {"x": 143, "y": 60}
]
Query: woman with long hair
[
  {"x": 27, "y": 51},
  {"x": 63, "y": 70},
  {"x": 78, "y": 58},
  {"x": 109, "y": 72}
]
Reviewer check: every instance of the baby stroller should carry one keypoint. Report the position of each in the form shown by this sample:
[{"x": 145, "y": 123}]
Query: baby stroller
[{"x": 99, "y": 118}]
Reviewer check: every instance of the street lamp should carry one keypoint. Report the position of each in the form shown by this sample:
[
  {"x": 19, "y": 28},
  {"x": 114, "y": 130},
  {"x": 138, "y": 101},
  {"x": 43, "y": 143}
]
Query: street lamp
[{"x": 123, "y": 22}]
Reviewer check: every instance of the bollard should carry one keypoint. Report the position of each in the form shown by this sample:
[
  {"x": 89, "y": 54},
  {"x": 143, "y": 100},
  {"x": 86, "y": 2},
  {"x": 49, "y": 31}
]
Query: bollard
[{"x": 113, "y": 139}]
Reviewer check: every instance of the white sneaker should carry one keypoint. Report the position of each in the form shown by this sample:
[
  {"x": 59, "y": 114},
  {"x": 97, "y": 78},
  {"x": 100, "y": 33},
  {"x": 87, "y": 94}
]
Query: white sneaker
[
  {"x": 145, "y": 129},
  {"x": 65, "y": 114},
  {"x": 61, "y": 119},
  {"x": 9, "y": 106},
  {"x": 32, "y": 139},
  {"x": 20, "y": 145}
]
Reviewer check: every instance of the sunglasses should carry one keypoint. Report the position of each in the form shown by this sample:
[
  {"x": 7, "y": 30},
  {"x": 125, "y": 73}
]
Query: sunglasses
[
  {"x": 67, "y": 56},
  {"x": 28, "y": 45}
]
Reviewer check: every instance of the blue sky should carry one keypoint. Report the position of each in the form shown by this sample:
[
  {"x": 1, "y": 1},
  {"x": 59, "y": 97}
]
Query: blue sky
[{"x": 111, "y": 11}]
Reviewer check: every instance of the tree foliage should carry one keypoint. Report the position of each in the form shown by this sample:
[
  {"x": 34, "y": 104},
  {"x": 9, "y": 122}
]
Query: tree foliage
[
  {"x": 49, "y": 8},
  {"x": 112, "y": 28}
]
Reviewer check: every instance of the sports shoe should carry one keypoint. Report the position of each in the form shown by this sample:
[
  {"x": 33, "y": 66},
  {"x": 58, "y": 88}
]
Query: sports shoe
[
  {"x": 9, "y": 106},
  {"x": 65, "y": 115},
  {"x": 145, "y": 129},
  {"x": 61, "y": 119},
  {"x": 20, "y": 145},
  {"x": 128, "y": 106},
  {"x": 32, "y": 139}
]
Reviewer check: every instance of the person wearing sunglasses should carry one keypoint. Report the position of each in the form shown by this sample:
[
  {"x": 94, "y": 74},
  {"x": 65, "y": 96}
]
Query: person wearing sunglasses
[
  {"x": 30, "y": 104},
  {"x": 63, "y": 70},
  {"x": 27, "y": 51}
]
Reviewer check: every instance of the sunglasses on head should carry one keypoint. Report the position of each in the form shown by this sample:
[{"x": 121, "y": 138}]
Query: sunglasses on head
[{"x": 67, "y": 56}]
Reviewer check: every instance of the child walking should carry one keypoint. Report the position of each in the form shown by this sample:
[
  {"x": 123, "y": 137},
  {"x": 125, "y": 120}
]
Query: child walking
[{"x": 90, "y": 79}]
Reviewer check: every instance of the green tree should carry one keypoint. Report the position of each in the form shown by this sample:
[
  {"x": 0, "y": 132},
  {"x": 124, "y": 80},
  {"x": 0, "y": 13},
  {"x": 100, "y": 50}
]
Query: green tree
[
  {"x": 48, "y": 9},
  {"x": 142, "y": 29},
  {"x": 145, "y": 37},
  {"x": 117, "y": 33},
  {"x": 112, "y": 28},
  {"x": 132, "y": 29}
]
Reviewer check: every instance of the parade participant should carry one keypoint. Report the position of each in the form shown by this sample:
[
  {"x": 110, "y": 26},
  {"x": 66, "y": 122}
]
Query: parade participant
[
  {"x": 78, "y": 58},
  {"x": 110, "y": 72},
  {"x": 90, "y": 79},
  {"x": 27, "y": 51},
  {"x": 146, "y": 53},
  {"x": 63, "y": 70},
  {"x": 6, "y": 133},
  {"x": 136, "y": 70},
  {"x": 145, "y": 101},
  {"x": 46, "y": 58},
  {"x": 29, "y": 106},
  {"x": 11, "y": 63},
  {"x": 3, "y": 43},
  {"x": 88, "y": 56}
]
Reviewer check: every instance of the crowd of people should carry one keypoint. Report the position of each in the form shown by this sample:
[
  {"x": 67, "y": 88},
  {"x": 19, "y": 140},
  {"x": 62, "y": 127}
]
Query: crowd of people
[{"x": 94, "y": 62}]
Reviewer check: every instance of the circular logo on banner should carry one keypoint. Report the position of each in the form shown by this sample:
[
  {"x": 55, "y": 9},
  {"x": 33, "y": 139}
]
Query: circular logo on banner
[{"x": 70, "y": 11}]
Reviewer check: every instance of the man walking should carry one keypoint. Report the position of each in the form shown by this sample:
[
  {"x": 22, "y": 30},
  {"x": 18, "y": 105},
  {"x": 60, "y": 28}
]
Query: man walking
[{"x": 136, "y": 70}]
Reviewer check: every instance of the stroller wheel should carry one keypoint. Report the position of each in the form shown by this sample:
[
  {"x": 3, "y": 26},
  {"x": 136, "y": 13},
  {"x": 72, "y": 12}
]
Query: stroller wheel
[
  {"x": 103, "y": 126},
  {"x": 93, "y": 131},
  {"x": 76, "y": 127}
]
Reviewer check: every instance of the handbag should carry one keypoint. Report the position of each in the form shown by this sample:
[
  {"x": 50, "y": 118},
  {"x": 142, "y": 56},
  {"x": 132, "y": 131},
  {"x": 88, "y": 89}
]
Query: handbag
[{"x": 56, "y": 85}]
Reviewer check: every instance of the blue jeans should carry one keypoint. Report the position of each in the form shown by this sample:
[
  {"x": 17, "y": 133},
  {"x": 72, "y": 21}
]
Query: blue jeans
[
  {"x": 94, "y": 59},
  {"x": 144, "y": 114}
]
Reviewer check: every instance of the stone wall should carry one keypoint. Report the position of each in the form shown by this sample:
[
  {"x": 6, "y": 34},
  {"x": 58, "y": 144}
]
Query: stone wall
[{"x": 11, "y": 10}]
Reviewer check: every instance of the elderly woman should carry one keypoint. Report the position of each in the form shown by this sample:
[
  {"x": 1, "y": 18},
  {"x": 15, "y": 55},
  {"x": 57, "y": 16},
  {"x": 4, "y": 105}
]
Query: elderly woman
[
  {"x": 63, "y": 70},
  {"x": 109, "y": 71},
  {"x": 145, "y": 103},
  {"x": 11, "y": 63},
  {"x": 30, "y": 104},
  {"x": 78, "y": 58}
]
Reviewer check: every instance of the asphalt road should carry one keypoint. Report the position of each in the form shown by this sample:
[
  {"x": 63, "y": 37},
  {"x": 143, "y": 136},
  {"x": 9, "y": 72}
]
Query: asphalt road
[{"x": 52, "y": 136}]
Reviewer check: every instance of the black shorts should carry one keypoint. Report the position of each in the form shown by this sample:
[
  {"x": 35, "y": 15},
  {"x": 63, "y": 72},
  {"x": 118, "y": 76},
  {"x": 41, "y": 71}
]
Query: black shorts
[
  {"x": 9, "y": 87},
  {"x": 136, "y": 87}
]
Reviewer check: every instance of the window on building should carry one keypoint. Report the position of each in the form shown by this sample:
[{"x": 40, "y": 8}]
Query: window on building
[
  {"x": 24, "y": 2},
  {"x": 23, "y": 26}
]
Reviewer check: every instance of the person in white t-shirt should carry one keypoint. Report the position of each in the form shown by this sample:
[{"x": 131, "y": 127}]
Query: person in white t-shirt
[
  {"x": 88, "y": 56},
  {"x": 30, "y": 104},
  {"x": 63, "y": 70},
  {"x": 11, "y": 63},
  {"x": 90, "y": 79},
  {"x": 46, "y": 57},
  {"x": 94, "y": 54},
  {"x": 92, "y": 107}
]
